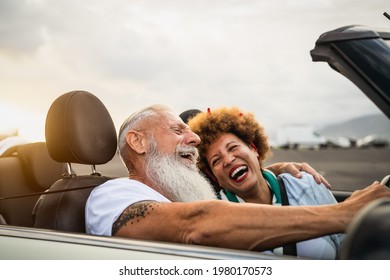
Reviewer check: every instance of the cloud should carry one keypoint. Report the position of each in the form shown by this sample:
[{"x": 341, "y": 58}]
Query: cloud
[
  {"x": 20, "y": 27},
  {"x": 187, "y": 54}
]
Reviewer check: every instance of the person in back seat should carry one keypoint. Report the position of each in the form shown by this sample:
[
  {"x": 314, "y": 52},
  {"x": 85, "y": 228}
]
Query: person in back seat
[
  {"x": 165, "y": 198},
  {"x": 233, "y": 149}
]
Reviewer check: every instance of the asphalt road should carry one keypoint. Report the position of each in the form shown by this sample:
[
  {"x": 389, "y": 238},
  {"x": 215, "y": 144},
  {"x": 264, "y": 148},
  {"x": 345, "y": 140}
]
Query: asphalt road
[{"x": 345, "y": 169}]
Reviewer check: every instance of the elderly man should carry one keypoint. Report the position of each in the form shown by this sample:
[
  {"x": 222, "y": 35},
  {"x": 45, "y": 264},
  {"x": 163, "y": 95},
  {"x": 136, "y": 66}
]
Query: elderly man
[{"x": 166, "y": 199}]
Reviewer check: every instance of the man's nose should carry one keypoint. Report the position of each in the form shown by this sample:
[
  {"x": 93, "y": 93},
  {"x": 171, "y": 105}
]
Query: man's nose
[{"x": 192, "y": 138}]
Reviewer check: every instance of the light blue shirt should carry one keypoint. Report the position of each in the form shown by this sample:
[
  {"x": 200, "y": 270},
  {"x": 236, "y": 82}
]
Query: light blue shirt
[{"x": 305, "y": 191}]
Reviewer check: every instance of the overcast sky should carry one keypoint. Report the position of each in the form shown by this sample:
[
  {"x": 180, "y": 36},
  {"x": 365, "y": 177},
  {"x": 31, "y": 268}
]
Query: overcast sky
[{"x": 186, "y": 54}]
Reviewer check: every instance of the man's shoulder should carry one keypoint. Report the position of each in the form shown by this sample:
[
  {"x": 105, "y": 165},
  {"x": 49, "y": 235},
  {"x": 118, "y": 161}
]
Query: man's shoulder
[
  {"x": 120, "y": 182},
  {"x": 124, "y": 187},
  {"x": 119, "y": 185}
]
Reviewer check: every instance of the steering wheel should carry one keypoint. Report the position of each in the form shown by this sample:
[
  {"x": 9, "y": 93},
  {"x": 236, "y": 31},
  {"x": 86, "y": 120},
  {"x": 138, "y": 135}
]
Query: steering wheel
[
  {"x": 368, "y": 234},
  {"x": 386, "y": 181}
]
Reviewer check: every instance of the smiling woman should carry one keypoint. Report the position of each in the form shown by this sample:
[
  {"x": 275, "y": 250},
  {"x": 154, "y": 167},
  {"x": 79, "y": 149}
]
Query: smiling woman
[
  {"x": 232, "y": 151},
  {"x": 27, "y": 124}
]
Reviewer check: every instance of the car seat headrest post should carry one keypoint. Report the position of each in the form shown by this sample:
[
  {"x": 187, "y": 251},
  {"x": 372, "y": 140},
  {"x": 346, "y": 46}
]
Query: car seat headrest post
[
  {"x": 69, "y": 171},
  {"x": 94, "y": 171}
]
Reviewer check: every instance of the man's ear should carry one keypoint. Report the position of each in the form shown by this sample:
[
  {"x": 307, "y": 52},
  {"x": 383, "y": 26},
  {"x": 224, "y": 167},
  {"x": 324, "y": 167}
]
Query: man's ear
[{"x": 136, "y": 141}]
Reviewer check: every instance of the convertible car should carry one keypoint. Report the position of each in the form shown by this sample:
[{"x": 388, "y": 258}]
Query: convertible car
[{"x": 42, "y": 198}]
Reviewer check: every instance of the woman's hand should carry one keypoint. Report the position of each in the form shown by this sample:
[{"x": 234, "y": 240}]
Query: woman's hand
[{"x": 295, "y": 168}]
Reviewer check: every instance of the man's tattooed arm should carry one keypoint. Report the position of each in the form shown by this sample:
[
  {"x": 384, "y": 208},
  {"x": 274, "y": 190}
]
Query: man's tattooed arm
[{"x": 133, "y": 214}]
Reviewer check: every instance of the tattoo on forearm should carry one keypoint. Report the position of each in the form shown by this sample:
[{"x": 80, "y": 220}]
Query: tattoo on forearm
[{"x": 133, "y": 214}]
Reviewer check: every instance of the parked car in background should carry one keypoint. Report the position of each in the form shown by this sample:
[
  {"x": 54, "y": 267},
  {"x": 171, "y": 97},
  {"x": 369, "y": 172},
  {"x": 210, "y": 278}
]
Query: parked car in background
[
  {"x": 299, "y": 137},
  {"x": 339, "y": 142},
  {"x": 372, "y": 141}
]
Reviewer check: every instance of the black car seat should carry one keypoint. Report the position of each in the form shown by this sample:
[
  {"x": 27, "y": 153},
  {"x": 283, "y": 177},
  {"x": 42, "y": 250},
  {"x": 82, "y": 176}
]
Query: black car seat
[
  {"x": 368, "y": 236},
  {"x": 79, "y": 129},
  {"x": 25, "y": 171}
]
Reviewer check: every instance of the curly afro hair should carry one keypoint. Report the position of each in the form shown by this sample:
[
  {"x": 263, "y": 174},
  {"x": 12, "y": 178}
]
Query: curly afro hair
[{"x": 212, "y": 124}]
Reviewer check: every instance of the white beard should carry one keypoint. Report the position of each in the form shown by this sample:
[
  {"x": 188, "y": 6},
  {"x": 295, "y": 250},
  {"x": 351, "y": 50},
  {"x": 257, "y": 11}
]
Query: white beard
[{"x": 176, "y": 180}]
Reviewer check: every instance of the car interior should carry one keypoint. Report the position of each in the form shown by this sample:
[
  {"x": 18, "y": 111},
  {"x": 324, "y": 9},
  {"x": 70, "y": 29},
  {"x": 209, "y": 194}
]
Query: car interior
[
  {"x": 80, "y": 130},
  {"x": 368, "y": 234},
  {"x": 39, "y": 188},
  {"x": 25, "y": 170}
]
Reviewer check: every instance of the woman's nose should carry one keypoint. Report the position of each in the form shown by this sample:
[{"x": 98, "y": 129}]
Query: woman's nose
[{"x": 228, "y": 159}]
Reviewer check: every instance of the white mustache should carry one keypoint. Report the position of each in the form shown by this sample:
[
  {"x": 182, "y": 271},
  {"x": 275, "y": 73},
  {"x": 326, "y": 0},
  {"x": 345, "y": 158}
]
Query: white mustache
[{"x": 188, "y": 151}]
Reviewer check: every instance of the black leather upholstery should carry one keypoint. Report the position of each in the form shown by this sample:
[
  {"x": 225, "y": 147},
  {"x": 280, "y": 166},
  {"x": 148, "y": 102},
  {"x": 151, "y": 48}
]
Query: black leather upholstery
[
  {"x": 65, "y": 210},
  {"x": 79, "y": 129}
]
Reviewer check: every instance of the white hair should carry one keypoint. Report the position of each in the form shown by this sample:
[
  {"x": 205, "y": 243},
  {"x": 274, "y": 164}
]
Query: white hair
[{"x": 136, "y": 121}]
